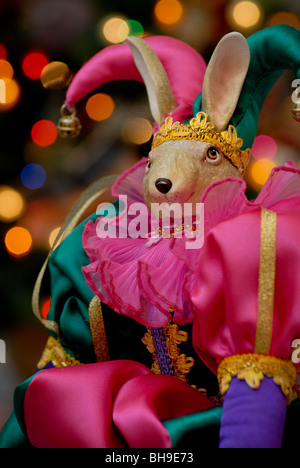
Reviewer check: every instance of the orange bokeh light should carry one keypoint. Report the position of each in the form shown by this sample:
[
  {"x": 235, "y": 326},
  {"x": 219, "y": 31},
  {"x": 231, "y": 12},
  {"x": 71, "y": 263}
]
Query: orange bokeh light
[
  {"x": 100, "y": 107},
  {"x": 12, "y": 93},
  {"x": 6, "y": 71},
  {"x": 260, "y": 171},
  {"x": 18, "y": 242},
  {"x": 11, "y": 204},
  {"x": 137, "y": 131},
  {"x": 33, "y": 65},
  {"x": 44, "y": 133},
  {"x": 53, "y": 236},
  {"x": 168, "y": 11},
  {"x": 284, "y": 17},
  {"x": 116, "y": 30}
]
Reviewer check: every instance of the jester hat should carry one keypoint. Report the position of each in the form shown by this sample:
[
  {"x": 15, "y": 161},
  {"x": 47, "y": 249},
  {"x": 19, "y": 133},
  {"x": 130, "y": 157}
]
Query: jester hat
[
  {"x": 220, "y": 103},
  {"x": 181, "y": 70},
  {"x": 273, "y": 51}
]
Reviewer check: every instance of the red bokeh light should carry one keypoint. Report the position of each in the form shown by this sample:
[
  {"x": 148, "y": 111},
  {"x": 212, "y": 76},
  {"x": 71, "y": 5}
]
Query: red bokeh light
[
  {"x": 44, "y": 133},
  {"x": 33, "y": 65},
  {"x": 3, "y": 53},
  {"x": 46, "y": 305}
]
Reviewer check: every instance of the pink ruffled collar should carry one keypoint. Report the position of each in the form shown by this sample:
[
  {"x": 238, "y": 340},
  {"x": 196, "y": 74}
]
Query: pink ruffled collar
[{"x": 144, "y": 280}]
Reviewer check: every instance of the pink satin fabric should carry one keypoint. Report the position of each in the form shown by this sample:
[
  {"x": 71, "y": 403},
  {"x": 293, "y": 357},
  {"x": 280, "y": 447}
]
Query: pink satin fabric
[
  {"x": 115, "y": 404},
  {"x": 116, "y": 63},
  {"x": 225, "y": 293}
]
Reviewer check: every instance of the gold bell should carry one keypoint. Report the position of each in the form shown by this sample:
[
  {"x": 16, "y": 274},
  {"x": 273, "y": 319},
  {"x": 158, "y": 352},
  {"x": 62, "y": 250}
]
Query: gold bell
[
  {"x": 69, "y": 125},
  {"x": 296, "y": 112}
]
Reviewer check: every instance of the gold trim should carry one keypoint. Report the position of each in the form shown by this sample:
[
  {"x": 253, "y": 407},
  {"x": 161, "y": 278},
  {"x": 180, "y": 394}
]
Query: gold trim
[
  {"x": 266, "y": 282},
  {"x": 253, "y": 367},
  {"x": 147, "y": 340},
  {"x": 98, "y": 330},
  {"x": 55, "y": 353},
  {"x": 181, "y": 364},
  {"x": 199, "y": 128}
]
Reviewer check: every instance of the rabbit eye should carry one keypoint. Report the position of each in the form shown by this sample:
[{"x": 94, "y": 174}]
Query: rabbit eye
[
  {"x": 213, "y": 155},
  {"x": 148, "y": 166}
]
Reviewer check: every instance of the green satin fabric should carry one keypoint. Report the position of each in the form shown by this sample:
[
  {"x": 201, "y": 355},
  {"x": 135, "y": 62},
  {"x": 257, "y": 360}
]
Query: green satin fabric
[
  {"x": 12, "y": 435},
  {"x": 70, "y": 296},
  {"x": 196, "y": 430}
]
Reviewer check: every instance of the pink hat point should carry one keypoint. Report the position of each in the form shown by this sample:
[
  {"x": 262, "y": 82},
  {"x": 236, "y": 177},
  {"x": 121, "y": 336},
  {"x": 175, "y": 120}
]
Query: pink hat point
[{"x": 184, "y": 66}]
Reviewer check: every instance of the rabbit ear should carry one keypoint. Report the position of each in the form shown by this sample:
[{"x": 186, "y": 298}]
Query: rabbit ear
[
  {"x": 160, "y": 95},
  {"x": 224, "y": 79}
]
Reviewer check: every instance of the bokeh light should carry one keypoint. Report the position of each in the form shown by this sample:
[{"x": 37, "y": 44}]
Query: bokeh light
[
  {"x": 135, "y": 28},
  {"x": 33, "y": 176},
  {"x": 260, "y": 171},
  {"x": 100, "y": 107},
  {"x": 44, "y": 133},
  {"x": 53, "y": 236},
  {"x": 6, "y": 71},
  {"x": 244, "y": 15},
  {"x": 12, "y": 204},
  {"x": 33, "y": 65},
  {"x": 168, "y": 11},
  {"x": 45, "y": 307},
  {"x": 12, "y": 96},
  {"x": 18, "y": 242},
  {"x": 3, "y": 53},
  {"x": 137, "y": 131},
  {"x": 115, "y": 30},
  {"x": 264, "y": 147},
  {"x": 56, "y": 75},
  {"x": 2, "y": 92},
  {"x": 6, "y": 75},
  {"x": 284, "y": 17}
]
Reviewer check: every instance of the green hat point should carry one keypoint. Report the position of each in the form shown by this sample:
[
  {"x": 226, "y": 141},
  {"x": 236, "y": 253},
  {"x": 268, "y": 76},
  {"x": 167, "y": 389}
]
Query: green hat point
[{"x": 273, "y": 51}]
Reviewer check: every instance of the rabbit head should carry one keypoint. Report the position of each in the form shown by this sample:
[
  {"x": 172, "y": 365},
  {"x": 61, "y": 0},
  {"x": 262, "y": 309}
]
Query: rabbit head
[{"x": 179, "y": 170}]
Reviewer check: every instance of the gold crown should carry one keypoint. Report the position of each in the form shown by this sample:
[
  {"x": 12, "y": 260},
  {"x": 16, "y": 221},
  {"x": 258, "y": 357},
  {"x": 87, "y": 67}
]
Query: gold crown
[{"x": 199, "y": 128}]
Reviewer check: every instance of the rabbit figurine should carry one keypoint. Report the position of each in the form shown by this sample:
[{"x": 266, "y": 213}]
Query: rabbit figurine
[{"x": 153, "y": 344}]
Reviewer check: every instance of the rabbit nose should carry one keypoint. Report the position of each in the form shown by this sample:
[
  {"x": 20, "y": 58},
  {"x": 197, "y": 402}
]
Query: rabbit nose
[{"x": 163, "y": 185}]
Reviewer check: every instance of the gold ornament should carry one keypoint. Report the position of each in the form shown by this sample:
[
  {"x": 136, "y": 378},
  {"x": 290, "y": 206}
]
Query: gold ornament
[
  {"x": 55, "y": 353},
  {"x": 253, "y": 368},
  {"x": 69, "y": 125}
]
